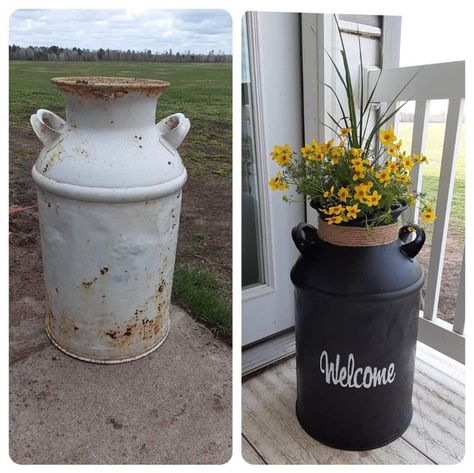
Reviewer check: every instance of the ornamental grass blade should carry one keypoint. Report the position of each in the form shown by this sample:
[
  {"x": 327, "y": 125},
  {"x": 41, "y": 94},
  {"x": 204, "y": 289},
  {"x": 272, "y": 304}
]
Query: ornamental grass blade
[
  {"x": 339, "y": 103},
  {"x": 349, "y": 89},
  {"x": 327, "y": 126},
  {"x": 337, "y": 69},
  {"x": 361, "y": 85},
  {"x": 369, "y": 101},
  {"x": 380, "y": 123},
  {"x": 336, "y": 122}
]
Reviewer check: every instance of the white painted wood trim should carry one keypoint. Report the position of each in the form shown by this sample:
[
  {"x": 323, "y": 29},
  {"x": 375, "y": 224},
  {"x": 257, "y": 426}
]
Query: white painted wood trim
[
  {"x": 460, "y": 310},
  {"x": 352, "y": 27},
  {"x": 374, "y": 21},
  {"x": 268, "y": 352},
  {"x": 420, "y": 125},
  {"x": 439, "y": 335},
  {"x": 391, "y": 38},
  {"x": 449, "y": 83},
  {"x": 443, "y": 206},
  {"x": 317, "y": 33},
  {"x": 258, "y": 290}
]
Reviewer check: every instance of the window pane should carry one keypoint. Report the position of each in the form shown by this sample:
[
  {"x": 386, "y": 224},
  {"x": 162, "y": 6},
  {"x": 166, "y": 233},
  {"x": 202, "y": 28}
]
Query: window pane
[{"x": 252, "y": 272}]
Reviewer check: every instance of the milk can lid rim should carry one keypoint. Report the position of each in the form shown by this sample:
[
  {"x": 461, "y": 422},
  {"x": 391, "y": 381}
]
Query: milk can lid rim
[{"x": 99, "y": 82}]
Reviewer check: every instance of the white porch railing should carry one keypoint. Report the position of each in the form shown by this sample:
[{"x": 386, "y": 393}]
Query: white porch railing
[{"x": 433, "y": 82}]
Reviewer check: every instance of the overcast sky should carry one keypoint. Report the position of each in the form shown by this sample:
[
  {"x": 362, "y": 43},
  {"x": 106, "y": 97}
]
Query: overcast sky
[{"x": 157, "y": 30}]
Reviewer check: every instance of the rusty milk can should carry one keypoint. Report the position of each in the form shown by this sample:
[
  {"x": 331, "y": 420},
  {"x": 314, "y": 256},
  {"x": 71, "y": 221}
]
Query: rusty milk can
[{"x": 109, "y": 197}]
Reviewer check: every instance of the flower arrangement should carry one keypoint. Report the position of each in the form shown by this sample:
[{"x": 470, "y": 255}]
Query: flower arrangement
[{"x": 353, "y": 181}]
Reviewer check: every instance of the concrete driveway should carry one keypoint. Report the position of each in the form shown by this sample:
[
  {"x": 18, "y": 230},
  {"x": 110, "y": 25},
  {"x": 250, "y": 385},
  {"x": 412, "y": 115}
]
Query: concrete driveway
[{"x": 171, "y": 407}]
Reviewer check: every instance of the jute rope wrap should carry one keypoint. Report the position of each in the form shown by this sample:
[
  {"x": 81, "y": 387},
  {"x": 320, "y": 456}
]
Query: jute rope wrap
[{"x": 357, "y": 236}]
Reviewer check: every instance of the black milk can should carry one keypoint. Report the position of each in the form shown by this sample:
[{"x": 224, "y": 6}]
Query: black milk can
[{"x": 357, "y": 300}]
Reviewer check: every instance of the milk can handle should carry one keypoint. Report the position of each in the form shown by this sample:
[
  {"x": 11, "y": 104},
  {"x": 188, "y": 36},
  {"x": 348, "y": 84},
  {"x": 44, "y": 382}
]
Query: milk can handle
[
  {"x": 174, "y": 129},
  {"x": 47, "y": 125},
  {"x": 413, "y": 248},
  {"x": 305, "y": 237}
]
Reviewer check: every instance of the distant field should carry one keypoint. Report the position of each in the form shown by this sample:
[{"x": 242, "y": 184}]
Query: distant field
[
  {"x": 203, "y": 92},
  {"x": 434, "y": 150}
]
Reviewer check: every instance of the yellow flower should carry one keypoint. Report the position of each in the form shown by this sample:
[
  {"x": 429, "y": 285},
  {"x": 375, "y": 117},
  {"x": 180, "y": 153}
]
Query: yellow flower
[
  {"x": 336, "y": 153},
  {"x": 343, "y": 194},
  {"x": 419, "y": 158},
  {"x": 336, "y": 210},
  {"x": 394, "y": 148},
  {"x": 387, "y": 137},
  {"x": 383, "y": 176},
  {"x": 403, "y": 178},
  {"x": 369, "y": 185},
  {"x": 281, "y": 154},
  {"x": 336, "y": 220},
  {"x": 357, "y": 163},
  {"x": 357, "y": 152},
  {"x": 329, "y": 193},
  {"x": 277, "y": 184},
  {"x": 373, "y": 199},
  {"x": 427, "y": 215},
  {"x": 392, "y": 166},
  {"x": 306, "y": 151},
  {"x": 359, "y": 173},
  {"x": 411, "y": 229},
  {"x": 344, "y": 132},
  {"x": 352, "y": 211},
  {"x": 312, "y": 151},
  {"x": 360, "y": 192},
  {"x": 407, "y": 162},
  {"x": 326, "y": 147},
  {"x": 324, "y": 211}
]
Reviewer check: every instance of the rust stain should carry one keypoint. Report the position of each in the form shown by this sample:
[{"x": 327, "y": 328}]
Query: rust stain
[
  {"x": 61, "y": 324},
  {"x": 109, "y": 88},
  {"x": 88, "y": 284},
  {"x": 53, "y": 159},
  {"x": 141, "y": 326}
]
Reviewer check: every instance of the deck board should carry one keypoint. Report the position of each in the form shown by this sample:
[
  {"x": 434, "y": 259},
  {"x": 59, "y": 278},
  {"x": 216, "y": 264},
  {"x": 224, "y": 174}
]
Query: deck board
[
  {"x": 436, "y": 435},
  {"x": 249, "y": 453}
]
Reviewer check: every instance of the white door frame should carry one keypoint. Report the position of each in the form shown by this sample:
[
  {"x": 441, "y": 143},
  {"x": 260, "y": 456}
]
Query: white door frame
[{"x": 275, "y": 66}]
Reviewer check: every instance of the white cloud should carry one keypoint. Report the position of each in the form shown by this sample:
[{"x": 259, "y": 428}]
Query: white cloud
[{"x": 157, "y": 30}]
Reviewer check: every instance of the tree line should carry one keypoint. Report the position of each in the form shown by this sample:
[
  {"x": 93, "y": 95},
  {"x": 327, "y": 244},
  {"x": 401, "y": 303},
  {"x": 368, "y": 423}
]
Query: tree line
[{"x": 56, "y": 53}]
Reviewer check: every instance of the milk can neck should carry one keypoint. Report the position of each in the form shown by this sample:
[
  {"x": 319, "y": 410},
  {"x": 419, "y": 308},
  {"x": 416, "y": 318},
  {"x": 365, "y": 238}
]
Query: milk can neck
[{"x": 129, "y": 111}]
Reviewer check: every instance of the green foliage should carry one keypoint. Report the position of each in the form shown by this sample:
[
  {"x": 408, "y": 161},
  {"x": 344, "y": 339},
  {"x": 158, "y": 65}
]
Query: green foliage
[{"x": 201, "y": 293}]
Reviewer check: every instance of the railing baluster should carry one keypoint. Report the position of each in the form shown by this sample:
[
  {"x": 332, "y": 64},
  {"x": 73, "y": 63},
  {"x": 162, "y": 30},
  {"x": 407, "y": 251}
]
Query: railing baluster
[
  {"x": 443, "y": 206},
  {"x": 420, "y": 123},
  {"x": 460, "y": 311}
]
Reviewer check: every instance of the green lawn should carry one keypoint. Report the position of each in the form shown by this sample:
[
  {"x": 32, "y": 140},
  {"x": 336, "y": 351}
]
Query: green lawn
[
  {"x": 197, "y": 90},
  {"x": 434, "y": 150}
]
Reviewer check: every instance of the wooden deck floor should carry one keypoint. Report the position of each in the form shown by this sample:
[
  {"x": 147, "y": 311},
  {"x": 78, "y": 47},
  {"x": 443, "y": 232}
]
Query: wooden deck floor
[{"x": 272, "y": 435}]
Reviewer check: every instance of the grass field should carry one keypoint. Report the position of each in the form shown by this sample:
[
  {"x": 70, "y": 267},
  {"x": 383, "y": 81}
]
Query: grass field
[
  {"x": 203, "y": 92},
  {"x": 434, "y": 150}
]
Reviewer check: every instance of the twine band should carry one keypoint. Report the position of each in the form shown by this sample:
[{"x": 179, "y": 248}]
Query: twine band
[{"x": 342, "y": 235}]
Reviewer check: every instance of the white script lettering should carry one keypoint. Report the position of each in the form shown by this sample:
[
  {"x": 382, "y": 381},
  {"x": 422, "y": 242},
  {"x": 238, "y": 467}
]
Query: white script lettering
[{"x": 351, "y": 377}]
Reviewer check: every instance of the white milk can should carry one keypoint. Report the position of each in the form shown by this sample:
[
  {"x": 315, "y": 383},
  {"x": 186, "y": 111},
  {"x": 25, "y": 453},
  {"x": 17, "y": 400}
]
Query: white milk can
[{"x": 109, "y": 197}]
